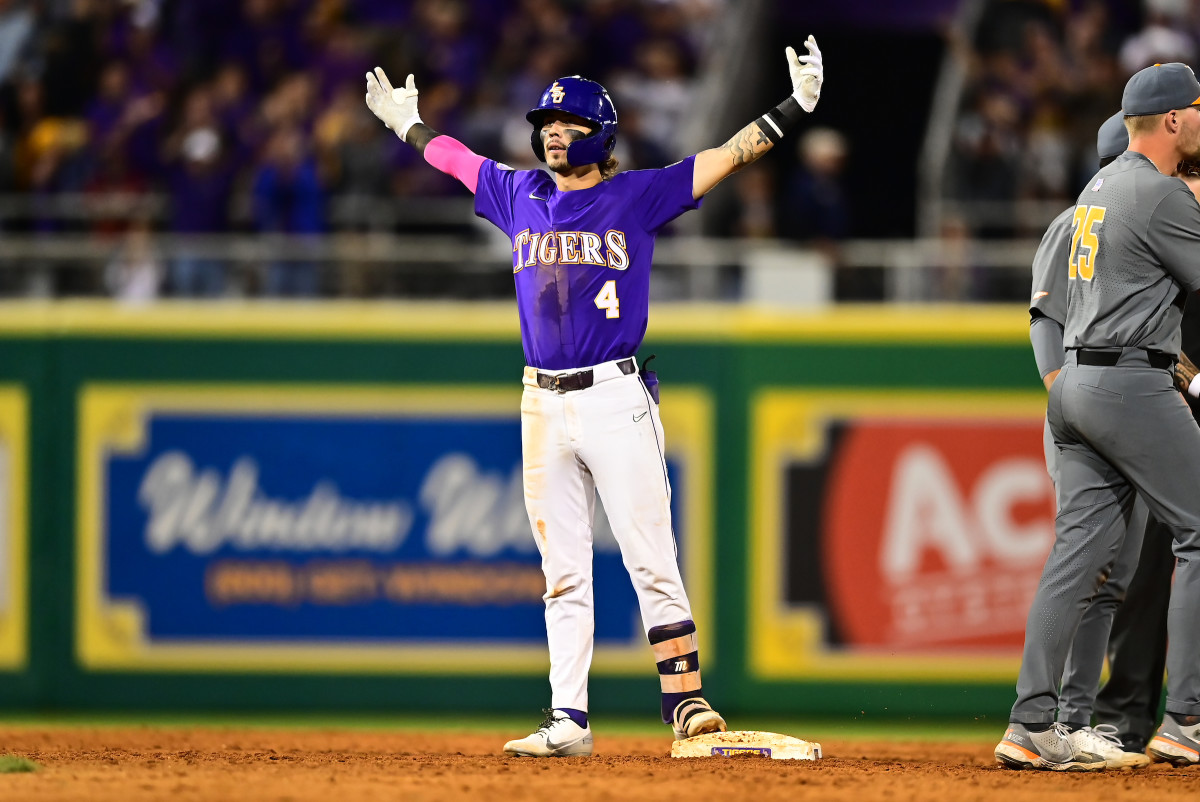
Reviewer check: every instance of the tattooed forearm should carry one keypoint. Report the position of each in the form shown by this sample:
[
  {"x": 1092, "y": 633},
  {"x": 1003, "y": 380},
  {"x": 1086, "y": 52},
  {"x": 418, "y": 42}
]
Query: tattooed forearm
[
  {"x": 420, "y": 135},
  {"x": 1185, "y": 371},
  {"x": 716, "y": 164},
  {"x": 747, "y": 146}
]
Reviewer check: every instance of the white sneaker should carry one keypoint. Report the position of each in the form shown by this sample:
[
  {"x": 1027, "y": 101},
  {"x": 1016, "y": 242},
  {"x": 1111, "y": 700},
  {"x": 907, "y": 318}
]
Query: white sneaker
[
  {"x": 1102, "y": 740},
  {"x": 694, "y": 717},
  {"x": 1050, "y": 750},
  {"x": 558, "y": 736}
]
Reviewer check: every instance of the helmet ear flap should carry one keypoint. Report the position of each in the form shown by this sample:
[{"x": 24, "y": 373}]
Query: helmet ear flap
[{"x": 537, "y": 118}]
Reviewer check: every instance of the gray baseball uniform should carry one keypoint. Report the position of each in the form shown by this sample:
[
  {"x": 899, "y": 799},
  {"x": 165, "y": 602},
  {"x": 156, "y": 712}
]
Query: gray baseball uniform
[
  {"x": 1137, "y": 645},
  {"x": 1048, "y": 304},
  {"x": 1048, "y": 310},
  {"x": 1118, "y": 423}
]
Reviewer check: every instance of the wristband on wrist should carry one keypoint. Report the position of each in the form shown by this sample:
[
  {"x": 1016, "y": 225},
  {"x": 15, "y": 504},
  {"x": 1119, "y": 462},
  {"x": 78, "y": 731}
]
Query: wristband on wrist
[
  {"x": 781, "y": 119},
  {"x": 1194, "y": 387},
  {"x": 409, "y": 123}
]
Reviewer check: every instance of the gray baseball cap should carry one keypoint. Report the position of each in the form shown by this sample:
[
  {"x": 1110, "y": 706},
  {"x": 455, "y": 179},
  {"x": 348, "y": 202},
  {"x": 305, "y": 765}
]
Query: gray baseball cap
[
  {"x": 1159, "y": 89},
  {"x": 1113, "y": 137}
]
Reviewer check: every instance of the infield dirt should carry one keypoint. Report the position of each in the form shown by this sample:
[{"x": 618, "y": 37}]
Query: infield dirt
[{"x": 112, "y": 764}]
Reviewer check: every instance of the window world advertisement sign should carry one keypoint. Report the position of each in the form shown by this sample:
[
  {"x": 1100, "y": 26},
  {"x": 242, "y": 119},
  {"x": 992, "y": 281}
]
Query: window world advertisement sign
[{"x": 358, "y": 529}]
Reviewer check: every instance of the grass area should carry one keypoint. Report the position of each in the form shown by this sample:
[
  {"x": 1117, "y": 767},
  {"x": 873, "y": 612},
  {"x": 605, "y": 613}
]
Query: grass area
[
  {"x": 899, "y": 729},
  {"x": 15, "y": 764}
]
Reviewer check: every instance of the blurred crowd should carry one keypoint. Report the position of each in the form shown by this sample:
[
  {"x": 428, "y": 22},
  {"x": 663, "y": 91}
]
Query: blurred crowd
[
  {"x": 1043, "y": 76},
  {"x": 212, "y": 116},
  {"x": 128, "y": 119}
]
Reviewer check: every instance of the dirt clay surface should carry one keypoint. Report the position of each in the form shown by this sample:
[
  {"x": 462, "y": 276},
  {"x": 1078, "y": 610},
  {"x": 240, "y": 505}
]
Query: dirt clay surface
[{"x": 132, "y": 764}]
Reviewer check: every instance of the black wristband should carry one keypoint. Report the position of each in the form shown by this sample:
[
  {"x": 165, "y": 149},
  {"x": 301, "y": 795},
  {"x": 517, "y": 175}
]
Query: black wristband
[
  {"x": 420, "y": 135},
  {"x": 781, "y": 119}
]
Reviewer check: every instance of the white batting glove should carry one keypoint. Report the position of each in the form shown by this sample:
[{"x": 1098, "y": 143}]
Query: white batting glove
[
  {"x": 397, "y": 108},
  {"x": 808, "y": 74}
]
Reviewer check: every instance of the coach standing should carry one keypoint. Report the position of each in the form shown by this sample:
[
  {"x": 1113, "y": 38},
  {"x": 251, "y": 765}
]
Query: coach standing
[{"x": 1117, "y": 421}]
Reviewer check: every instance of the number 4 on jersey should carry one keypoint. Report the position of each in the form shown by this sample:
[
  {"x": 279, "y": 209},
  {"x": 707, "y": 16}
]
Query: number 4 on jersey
[
  {"x": 607, "y": 299},
  {"x": 1087, "y": 220}
]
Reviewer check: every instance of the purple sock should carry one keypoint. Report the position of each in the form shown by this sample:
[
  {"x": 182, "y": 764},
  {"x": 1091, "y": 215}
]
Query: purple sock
[
  {"x": 578, "y": 716},
  {"x": 670, "y": 701}
]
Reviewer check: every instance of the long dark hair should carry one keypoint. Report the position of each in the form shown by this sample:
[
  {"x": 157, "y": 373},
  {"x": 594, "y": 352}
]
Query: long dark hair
[
  {"x": 609, "y": 167},
  {"x": 1191, "y": 169}
]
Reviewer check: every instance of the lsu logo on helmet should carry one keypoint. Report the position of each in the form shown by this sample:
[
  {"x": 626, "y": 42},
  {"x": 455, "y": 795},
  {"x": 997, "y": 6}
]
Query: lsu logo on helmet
[{"x": 557, "y": 93}]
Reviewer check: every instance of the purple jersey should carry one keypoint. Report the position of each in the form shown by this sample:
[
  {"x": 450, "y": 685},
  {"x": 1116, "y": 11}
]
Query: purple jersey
[{"x": 581, "y": 259}]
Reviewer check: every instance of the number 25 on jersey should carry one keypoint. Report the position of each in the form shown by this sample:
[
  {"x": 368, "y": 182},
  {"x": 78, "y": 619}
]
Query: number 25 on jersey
[{"x": 1084, "y": 242}]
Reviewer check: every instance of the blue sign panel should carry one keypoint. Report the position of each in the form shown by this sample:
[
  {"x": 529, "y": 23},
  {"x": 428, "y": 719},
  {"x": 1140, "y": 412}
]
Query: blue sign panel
[{"x": 240, "y": 527}]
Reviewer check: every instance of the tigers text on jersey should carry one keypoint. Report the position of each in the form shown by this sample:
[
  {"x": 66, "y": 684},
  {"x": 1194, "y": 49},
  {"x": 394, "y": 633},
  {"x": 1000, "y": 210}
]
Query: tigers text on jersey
[
  {"x": 1134, "y": 244},
  {"x": 581, "y": 259}
]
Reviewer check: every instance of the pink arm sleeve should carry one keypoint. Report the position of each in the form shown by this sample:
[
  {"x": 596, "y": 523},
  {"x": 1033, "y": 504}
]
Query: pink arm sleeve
[{"x": 455, "y": 159}]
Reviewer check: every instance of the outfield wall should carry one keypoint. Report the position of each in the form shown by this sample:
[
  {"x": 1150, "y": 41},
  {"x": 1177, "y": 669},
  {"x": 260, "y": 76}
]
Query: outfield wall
[{"x": 318, "y": 507}]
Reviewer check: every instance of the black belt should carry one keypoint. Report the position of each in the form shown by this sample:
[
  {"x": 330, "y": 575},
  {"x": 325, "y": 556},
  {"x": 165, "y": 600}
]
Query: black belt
[
  {"x": 576, "y": 381},
  {"x": 1091, "y": 356}
]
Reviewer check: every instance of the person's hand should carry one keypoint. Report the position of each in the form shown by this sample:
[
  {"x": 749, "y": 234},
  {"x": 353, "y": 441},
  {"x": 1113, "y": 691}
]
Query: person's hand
[
  {"x": 397, "y": 108},
  {"x": 1185, "y": 375},
  {"x": 807, "y": 73}
]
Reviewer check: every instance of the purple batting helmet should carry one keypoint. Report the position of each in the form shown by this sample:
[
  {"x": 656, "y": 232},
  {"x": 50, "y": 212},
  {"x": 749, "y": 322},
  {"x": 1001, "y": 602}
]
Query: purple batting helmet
[{"x": 586, "y": 99}]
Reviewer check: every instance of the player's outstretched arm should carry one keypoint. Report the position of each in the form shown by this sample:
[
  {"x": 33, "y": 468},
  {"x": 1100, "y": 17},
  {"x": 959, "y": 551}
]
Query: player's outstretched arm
[
  {"x": 397, "y": 108},
  {"x": 749, "y": 144}
]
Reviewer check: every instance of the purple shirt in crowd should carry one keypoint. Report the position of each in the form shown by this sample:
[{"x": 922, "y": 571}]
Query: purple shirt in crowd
[{"x": 569, "y": 246}]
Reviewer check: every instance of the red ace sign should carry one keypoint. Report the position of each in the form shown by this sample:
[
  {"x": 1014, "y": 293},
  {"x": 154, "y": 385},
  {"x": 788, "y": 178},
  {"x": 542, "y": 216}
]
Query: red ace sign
[{"x": 934, "y": 534}]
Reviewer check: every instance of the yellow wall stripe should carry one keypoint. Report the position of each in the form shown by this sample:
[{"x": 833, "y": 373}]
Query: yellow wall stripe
[{"x": 407, "y": 320}]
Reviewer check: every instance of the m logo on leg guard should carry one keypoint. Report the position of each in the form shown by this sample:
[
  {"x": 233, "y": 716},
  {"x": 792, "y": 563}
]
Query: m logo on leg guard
[{"x": 677, "y": 654}]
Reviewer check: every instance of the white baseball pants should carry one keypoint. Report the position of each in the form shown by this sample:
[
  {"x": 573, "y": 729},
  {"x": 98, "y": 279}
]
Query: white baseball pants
[{"x": 605, "y": 438}]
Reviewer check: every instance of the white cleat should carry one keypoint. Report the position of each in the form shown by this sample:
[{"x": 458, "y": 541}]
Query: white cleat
[
  {"x": 694, "y": 717},
  {"x": 558, "y": 736},
  {"x": 1102, "y": 740},
  {"x": 1049, "y": 750}
]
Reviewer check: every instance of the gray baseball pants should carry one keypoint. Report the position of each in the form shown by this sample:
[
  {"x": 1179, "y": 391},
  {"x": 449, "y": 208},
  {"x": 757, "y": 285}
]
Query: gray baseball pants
[
  {"x": 1118, "y": 430},
  {"x": 1085, "y": 661},
  {"x": 1137, "y": 647}
]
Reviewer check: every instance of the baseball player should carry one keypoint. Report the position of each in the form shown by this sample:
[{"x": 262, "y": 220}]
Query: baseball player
[
  {"x": 1128, "y": 703},
  {"x": 1117, "y": 421},
  {"x": 1047, "y": 310},
  {"x": 582, "y": 240}
]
